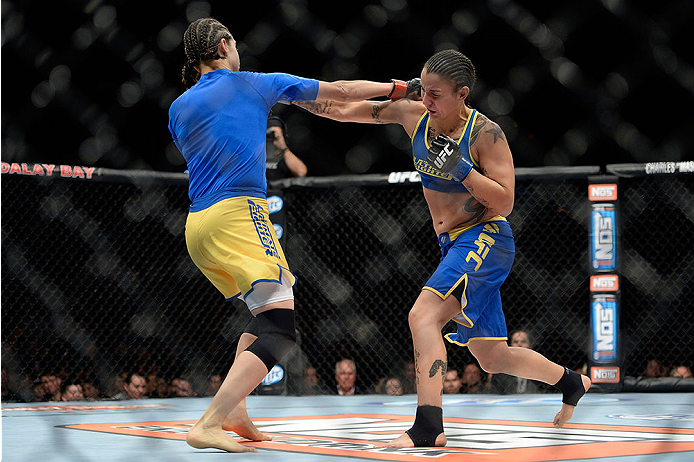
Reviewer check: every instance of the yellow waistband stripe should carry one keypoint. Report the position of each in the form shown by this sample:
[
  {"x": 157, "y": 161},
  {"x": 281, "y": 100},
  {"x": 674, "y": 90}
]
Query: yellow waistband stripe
[{"x": 455, "y": 232}]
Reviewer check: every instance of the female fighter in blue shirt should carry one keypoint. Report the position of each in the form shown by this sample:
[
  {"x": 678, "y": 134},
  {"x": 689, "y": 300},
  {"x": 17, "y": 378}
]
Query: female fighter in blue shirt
[{"x": 219, "y": 125}]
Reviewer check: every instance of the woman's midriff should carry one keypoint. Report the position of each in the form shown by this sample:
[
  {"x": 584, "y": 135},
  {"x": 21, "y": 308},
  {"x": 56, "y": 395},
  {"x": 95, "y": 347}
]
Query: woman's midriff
[{"x": 450, "y": 210}]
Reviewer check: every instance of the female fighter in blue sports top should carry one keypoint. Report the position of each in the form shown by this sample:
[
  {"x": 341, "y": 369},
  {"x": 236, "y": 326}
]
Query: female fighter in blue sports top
[
  {"x": 468, "y": 180},
  {"x": 219, "y": 125}
]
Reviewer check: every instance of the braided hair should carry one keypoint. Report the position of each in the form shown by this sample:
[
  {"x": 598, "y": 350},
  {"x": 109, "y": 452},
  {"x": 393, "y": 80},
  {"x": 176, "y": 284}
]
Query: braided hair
[
  {"x": 200, "y": 41},
  {"x": 455, "y": 66}
]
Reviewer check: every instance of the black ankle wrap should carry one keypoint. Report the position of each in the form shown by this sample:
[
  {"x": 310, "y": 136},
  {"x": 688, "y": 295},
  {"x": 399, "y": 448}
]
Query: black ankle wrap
[
  {"x": 428, "y": 424},
  {"x": 571, "y": 386}
]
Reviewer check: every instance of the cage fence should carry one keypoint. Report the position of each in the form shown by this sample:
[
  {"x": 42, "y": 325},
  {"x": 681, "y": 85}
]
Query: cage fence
[{"x": 96, "y": 279}]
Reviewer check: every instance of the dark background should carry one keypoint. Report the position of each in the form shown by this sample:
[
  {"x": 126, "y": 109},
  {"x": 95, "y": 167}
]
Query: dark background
[{"x": 571, "y": 82}]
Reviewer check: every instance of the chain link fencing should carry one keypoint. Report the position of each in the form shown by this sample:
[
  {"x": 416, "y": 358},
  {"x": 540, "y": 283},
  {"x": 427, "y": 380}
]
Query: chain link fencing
[{"x": 96, "y": 279}]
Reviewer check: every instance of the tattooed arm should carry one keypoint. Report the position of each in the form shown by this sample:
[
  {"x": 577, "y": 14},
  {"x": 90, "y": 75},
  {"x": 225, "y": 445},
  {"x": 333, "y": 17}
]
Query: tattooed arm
[
  {"x": 495, "y": 186},
  {"x": 404, "y": 111}
]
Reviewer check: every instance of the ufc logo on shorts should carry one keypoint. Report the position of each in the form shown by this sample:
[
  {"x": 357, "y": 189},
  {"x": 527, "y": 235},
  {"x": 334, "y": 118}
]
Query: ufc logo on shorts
[{"x": 484, "y": 242}]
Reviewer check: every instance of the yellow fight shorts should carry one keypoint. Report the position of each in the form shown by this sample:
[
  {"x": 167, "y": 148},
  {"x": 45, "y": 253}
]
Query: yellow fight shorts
[{"x": 234, "y": 244}]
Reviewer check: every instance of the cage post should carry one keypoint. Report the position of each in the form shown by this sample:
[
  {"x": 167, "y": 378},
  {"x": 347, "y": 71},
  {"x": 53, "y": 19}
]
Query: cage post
[{"x": 605, "y": 362}]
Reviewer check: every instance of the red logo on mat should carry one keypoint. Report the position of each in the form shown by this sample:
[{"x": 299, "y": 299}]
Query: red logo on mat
[{"x": 472, "y": 440}]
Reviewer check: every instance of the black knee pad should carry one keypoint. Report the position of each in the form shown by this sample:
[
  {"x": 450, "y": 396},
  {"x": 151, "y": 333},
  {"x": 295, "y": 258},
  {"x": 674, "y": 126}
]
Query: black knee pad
[
  {"x": 252, "y": 327},
  {"x": 276, "y": 336},
  {"x": 428, "y": 424}
]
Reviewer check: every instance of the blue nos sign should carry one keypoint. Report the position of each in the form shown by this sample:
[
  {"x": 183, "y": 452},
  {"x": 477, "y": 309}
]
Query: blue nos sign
[
  {"x": 275, "y": 375},
  {"x": 603, "y": 237},
  {"x": 604, "y": 324}
]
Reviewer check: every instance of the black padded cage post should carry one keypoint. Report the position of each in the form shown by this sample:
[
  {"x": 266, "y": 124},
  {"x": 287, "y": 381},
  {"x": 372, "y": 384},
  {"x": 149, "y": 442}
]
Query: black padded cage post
[{"x": 606, "y": 354}]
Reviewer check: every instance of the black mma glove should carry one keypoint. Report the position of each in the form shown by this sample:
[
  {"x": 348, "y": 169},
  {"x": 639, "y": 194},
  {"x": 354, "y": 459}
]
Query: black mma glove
[
  {"x": 444, "y": 155},
  {"x": 411, "y": 89}
]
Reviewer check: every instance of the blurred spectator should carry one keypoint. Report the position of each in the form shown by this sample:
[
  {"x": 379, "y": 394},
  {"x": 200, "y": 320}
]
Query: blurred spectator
[
  {"x": 452, "y": 382},
  {"x": 184, "y": 388},
  {"x": 214, "y": 381},
  {"x": 380, "y": 387},
  {"x": 116, "y": 386},
  {"x": 280, "y": 162},
  {"x": 152, "y": 382},
  {"x": 5, "y": 386},
  {"x": 157, "y": 387},
  {"x": 520, "y": 339},
  {"x": 681, "y": 371},
  {"x": 71, "y": 391},
  {"x": 134, "y": 387},
  {"x": 173, "y": 387},
  {"x": 39, "y": 391},
  {"x": 346, "y": 378},
  {"x": 393, "y": 386},
  {"x": 654, "y": 369},
  {"x": 408, "y": 378},
  {"x": 508, "y": 384},
  {"x": 90, "y": 391},
  {"x": 16, "y": 388},
  {"x": 51, "y": 387},
  {"x": 472, "y": 379},
  {"x": 311, "y": 384}
]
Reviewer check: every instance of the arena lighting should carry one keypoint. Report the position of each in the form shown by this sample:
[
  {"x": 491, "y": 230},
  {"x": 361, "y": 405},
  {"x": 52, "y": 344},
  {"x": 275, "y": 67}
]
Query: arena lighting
[{"x": 545, "y": 71}]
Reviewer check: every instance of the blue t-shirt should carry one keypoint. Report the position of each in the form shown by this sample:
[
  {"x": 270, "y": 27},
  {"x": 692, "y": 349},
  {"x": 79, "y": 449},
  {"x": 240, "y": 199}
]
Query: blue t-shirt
[{"x": 219, "y": 126}]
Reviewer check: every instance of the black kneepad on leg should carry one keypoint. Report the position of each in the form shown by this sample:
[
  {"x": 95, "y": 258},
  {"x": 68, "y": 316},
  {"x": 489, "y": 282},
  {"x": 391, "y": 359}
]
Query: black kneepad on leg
[
  {"x": 252, "y": 327},
  {"x": 276, "y": 336},
  {"x": 428, "y": 424}
]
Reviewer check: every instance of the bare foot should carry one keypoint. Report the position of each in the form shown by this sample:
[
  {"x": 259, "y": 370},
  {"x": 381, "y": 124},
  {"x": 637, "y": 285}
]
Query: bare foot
[
  {"x": 202, "y": 438},
  {"x": 404, "y": 441},
  {"x": 238, "y": 422},
  {"x": 567, "y": 411}
]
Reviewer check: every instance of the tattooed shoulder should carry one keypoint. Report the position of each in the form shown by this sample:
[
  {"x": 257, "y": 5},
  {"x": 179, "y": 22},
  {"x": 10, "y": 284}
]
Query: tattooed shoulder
[
  {"x": 496, "y": 131},
  {"x": 484, "y": 125},
  {"x": 481, "y": 122}
]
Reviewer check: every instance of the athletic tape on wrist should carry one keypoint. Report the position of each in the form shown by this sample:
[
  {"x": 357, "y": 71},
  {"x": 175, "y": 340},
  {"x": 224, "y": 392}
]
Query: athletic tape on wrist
[{"x": 399, "y": 89}]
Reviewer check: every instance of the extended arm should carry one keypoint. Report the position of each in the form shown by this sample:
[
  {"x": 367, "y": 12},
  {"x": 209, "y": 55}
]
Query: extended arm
[
  {"x": 404, "y": 111},
  {"x": 352, "y": 90},
  {"x": 360, "y": 90}
]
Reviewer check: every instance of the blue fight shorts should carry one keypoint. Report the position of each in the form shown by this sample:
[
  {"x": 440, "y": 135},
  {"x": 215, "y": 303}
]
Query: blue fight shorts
[{"x": 475, "y": 261}]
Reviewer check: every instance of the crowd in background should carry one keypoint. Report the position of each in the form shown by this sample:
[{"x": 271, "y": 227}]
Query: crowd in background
[{"x": 52, "y": 386}]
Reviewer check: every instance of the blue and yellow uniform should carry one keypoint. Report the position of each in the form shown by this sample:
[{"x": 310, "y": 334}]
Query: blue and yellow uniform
[
  {"x": 219, "y": 126},
  {"x": 476, "y": 259}
]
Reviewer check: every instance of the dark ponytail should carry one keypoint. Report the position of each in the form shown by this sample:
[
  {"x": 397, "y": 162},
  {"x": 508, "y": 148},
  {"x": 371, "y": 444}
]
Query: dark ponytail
[{"x": 189, "y": 75}]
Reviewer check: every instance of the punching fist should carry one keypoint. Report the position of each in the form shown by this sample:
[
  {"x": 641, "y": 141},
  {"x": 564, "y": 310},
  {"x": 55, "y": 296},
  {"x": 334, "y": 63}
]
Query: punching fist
[
  {"x": 411, "y": 89},
  {"x": 444, "y": 155}
]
